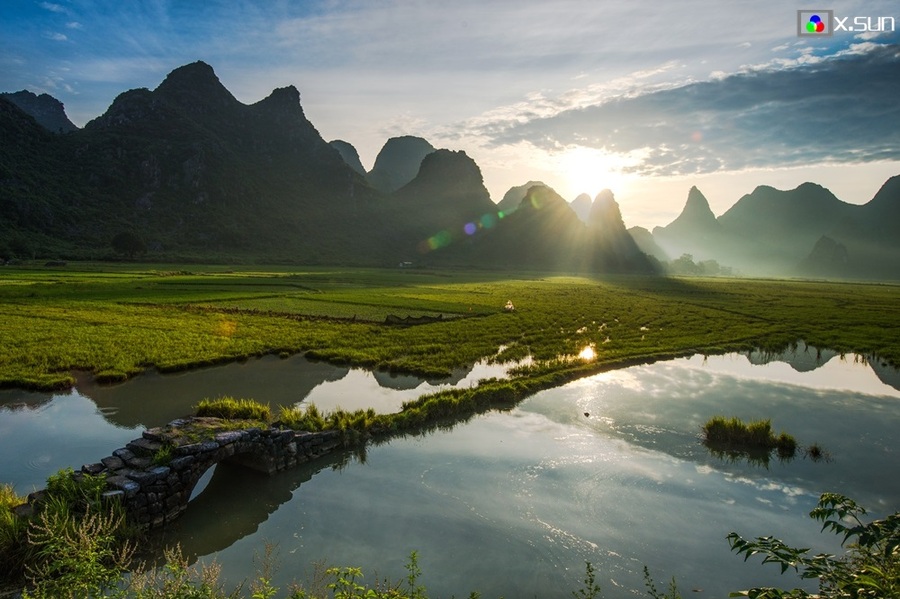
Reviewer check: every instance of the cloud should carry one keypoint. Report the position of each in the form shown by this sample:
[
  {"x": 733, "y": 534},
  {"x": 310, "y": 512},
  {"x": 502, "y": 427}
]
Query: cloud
[
  {"x": 53, "y": 7},
  {"x": 57, "y": 37},
  {"x": 74, "y": 25},
  {"x": 808, "y": 110}
]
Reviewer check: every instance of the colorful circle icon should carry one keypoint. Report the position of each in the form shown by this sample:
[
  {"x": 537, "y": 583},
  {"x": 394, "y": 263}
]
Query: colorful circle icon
[{"x": 815, "y": 24}]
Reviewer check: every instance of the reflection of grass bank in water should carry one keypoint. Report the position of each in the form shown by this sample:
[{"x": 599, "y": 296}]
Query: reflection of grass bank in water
[{"x": 732, "y": 438}]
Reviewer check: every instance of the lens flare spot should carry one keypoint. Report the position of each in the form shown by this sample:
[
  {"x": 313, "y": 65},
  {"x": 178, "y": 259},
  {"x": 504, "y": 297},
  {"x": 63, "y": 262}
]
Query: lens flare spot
[
  {"x": 487, "y": 221},
  {"x": 470, "y": 228},
  {"x": 226, "y": 328},
  {"x": 439, "y": 240},
  {"x": 587, "y": 353}
]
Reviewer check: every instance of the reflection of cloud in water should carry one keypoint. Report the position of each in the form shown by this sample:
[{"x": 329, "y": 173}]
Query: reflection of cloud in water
[{"x": 790, "y": 492}]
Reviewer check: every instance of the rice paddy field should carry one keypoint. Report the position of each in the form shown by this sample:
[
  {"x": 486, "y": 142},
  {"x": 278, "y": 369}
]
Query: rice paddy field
[{"x": 115, "y": 321}]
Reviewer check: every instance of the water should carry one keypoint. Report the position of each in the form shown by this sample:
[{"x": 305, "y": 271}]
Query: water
[
  {"x": 68, "y": 429},
  {"x": 513, "y": 503}
]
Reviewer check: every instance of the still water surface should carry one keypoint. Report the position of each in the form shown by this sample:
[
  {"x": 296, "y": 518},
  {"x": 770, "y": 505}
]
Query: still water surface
[{"x": 512, "y": 504}]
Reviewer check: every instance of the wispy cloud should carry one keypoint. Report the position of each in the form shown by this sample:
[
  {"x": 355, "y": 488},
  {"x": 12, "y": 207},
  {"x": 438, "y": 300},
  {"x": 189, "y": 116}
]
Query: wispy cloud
[
  {"x": 56, "y": 36},
  {"x": 841, "y": 108},
  {"x": 53, "y": 7}
]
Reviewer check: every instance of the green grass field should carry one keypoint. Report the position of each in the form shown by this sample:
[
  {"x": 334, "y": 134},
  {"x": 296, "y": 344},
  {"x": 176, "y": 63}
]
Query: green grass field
[{"x": 116, "y": 320}]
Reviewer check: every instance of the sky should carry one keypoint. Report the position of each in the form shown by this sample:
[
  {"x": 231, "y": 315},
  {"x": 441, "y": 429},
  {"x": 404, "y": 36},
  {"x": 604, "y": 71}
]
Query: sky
[{"x": 644, "y": 98}]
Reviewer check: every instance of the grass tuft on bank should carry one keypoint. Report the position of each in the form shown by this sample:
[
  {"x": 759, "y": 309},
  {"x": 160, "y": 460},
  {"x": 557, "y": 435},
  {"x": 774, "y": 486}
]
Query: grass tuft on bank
[{"x": 234, "y": 409}]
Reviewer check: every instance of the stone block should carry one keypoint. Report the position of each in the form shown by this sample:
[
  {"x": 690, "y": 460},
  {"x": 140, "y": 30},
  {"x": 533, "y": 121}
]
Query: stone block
[
  {"x": 125, "y": 484},
  {"x": 144, "y": 446},
  {"x": 228, "y": 437},
  {"x": 142, "y": 477},
  {"x": 113, "y": 463},
  {"x": 111, "y": 496},
  {"x": 154, "y": 434},
  {"x": 123, "y": 454},
  {"x": 190, "y": 449},
  {"x": 207, "y": 446},
  {"x": 139, "y": 463},
  {"x": 94, "y": 469},
  {"x": 180, "y": 463},
  {"x": 161, "y": 472}
]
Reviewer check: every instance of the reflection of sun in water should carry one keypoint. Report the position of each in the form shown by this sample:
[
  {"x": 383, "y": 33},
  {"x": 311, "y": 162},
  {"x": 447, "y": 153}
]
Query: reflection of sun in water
[
  {"x": 587, "y": 353},
  {"x": 587, "y": 170}
]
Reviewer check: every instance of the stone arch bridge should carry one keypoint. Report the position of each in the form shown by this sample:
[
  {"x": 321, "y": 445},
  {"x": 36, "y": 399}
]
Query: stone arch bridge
[{"x": 155, "y": 475}]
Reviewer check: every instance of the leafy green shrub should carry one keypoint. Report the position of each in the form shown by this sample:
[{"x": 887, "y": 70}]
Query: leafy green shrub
[
  {"x": 870, "y": 567},
  {"x": 234, "y": 409}
]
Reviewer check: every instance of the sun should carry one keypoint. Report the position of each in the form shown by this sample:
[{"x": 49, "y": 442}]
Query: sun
[{"x": 589, "y": 170}]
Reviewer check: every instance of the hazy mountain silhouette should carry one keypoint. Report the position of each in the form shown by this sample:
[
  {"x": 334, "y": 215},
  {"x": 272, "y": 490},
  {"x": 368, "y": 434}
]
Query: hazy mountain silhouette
[
  {"x": 883, "y": 210},
  {"x": 349, "y": 154},
  {"x": 612, "y": 248},
  {"x": 513, "y": 198},
  {"x": 447, "y": 192},
  {"x": 778, "y": 228},
  {"x": 544, "y": 232},
  {"x": 870, "y": 236},
  {"x": 827, "y": 258},
  {"x": 581, "y": 205},
  {"x": 398, "y": 162},
  {"x": 46, "y": 110},
  {"x": 647, "y": 243},
  {"x": 804, "y": 231},
  {"x": 695, "y": 231}
]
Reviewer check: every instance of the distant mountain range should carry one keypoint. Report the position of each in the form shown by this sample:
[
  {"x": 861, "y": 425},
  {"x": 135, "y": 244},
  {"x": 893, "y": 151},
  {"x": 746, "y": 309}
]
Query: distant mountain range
[
  {"x": 191, "y": 173},
  {"x": 197, "y": 175},
  {"x": 806, "y": 231}
]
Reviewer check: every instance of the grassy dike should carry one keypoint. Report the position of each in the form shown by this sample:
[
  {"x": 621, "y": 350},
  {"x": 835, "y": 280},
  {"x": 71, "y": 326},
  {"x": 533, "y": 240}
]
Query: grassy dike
[{"x": 114, "y": 322}]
